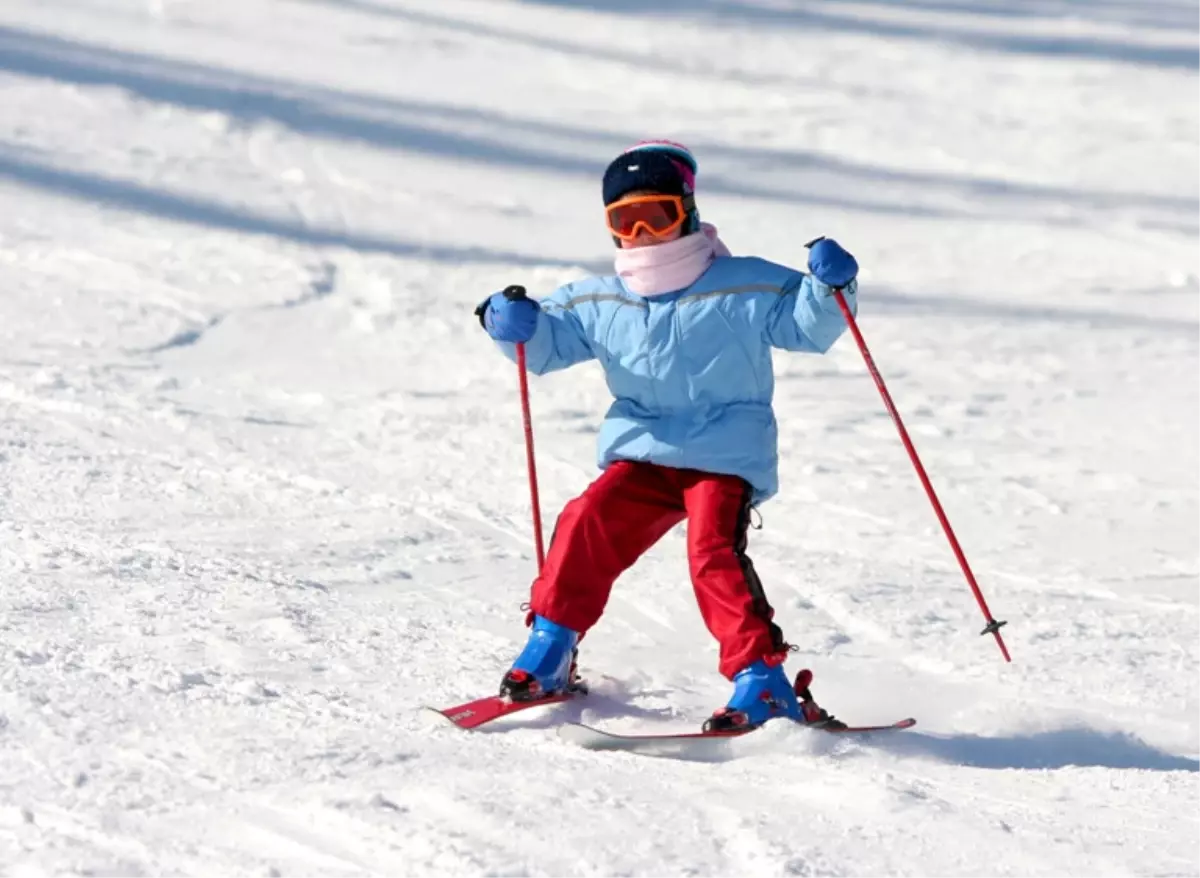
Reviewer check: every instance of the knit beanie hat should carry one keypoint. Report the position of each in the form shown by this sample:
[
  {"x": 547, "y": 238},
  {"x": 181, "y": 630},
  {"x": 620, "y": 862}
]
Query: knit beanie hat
[{"x": 655, "y": 166}]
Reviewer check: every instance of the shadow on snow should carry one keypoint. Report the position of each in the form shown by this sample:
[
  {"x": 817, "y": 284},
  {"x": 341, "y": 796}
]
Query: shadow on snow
[
  {"x": 1059, "y": 748},
  {"x": 816, "y": 21}
]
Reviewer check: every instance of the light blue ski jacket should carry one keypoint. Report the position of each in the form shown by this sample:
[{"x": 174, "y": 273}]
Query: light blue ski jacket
[{"x": 691, "y": 370}]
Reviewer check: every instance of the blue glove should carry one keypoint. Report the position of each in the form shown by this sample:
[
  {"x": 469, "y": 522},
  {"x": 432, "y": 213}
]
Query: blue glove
[
  {"x": 829, "y": 263},
  {"x": 509, "y": 316}
]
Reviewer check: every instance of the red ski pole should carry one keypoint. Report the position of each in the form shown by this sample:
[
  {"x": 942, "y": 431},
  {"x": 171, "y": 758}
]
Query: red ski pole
[
  {"x": 529, "y": 460},
  {"x": 993, "y": 627}
]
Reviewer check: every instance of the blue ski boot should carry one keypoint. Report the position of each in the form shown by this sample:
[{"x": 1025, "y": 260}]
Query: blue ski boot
[
  {"x": 762, "y": 692},
  {"x": 546, "y": 666}
]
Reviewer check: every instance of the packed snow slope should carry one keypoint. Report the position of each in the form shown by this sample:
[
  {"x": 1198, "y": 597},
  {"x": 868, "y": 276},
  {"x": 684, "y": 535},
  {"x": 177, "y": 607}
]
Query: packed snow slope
[{"x": 262, "y": 485}]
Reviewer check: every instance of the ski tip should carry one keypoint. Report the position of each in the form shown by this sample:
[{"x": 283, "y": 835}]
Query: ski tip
[
  {"x": 468, "y": 715},
  {"x": 906, "y": 723},
  {"x": 578, "y": 733},
  {"x": 703, "y": 746},
  {"x": 437, "y": 714}
]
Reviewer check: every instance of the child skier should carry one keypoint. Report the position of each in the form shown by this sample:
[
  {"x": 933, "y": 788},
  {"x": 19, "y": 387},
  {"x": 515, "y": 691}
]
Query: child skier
[{"x": 684, "y": 332}]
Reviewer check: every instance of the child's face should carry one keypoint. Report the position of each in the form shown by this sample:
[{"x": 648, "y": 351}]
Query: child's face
[{"x": 646, "y": 239}]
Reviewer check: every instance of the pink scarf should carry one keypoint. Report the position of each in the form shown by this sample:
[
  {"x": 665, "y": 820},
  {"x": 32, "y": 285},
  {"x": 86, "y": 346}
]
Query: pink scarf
[{"x": 664, "y": 268}]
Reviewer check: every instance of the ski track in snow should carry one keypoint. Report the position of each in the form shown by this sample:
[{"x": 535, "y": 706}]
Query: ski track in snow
[{"x": 263, "y": 491}]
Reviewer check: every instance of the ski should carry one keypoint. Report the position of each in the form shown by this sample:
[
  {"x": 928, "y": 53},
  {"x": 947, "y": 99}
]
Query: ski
[
  {"x": 689, "y": 744},
  {"x": 474, "y": 714}
]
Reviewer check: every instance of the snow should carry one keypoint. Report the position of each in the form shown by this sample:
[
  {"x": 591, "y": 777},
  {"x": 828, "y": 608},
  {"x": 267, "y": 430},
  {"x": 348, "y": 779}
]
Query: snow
[{"x": 263, "y": 489}]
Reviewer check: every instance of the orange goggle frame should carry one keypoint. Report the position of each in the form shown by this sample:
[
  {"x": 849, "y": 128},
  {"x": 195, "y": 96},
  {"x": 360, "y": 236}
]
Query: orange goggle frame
[{"x": 660, "y": 215}]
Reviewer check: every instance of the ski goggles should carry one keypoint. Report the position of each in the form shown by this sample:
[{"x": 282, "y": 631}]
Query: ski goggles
[{"x": 660, "y": 215}]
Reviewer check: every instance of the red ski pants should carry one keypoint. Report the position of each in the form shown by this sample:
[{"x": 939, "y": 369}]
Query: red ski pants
[{"x": 626, "y": 511}]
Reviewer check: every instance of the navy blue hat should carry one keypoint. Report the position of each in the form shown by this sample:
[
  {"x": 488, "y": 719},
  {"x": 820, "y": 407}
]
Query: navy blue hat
[{"x": 644, "y": 169}]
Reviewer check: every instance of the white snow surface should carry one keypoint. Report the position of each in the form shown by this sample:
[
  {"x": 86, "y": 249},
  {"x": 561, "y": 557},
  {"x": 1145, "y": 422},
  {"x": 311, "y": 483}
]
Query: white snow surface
[{"x": 262, "y": 477}]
